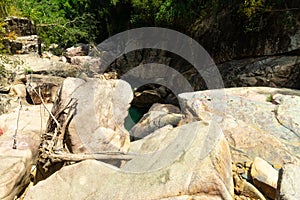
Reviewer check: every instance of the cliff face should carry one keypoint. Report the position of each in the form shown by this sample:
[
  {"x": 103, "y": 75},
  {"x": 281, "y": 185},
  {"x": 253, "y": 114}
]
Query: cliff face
[
  {"x": 261, "y": 49},
  {"x": 230, "y": 35}
]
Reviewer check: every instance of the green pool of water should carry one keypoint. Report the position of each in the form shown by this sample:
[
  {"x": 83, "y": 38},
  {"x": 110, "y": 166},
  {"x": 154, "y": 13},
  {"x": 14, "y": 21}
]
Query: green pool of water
[{"x": 134, "y": 115}]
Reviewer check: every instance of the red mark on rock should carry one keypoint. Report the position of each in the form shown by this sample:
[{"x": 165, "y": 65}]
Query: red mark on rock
[{"x": 1, "y": 132}]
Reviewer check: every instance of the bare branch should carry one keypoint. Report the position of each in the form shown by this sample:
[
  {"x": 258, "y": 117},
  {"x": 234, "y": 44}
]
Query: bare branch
[
  {"x": 80, "y": 157},
  {"x": 50, "y": 113}
]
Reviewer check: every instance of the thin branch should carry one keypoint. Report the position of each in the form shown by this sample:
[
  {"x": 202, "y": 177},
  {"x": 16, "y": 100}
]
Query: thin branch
[
  {"x": 62, "y": 130},
  {"x": 280, "y": 10},
  {"x": 50, "y": 113},
  {"x": 17, "y": 127},
  {"x": 60, "y": 25}
]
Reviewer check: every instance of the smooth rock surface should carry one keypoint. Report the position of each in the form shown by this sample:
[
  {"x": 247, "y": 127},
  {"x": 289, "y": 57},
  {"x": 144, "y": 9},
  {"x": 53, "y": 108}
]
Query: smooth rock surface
[
  {"x": 98, "y": 124},
  {"x": 250, "y": 122},
  {"x": 289, "y": 183},
  {"x": 15, "y": 164},
  {"x": 184, "y": 167},
  {"x": 264, "y": 177}
]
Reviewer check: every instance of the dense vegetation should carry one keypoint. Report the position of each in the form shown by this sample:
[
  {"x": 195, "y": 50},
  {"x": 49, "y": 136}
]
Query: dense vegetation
[{"x": 71, "y": 21}]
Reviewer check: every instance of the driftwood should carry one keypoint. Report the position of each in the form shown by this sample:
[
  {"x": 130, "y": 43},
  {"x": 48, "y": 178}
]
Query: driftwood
[
  {"x": 53, "y": 138},
  {"x": 98, "y": 156}
]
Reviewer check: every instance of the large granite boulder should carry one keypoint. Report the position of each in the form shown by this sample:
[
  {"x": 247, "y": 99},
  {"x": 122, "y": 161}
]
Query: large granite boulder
[
  {"x": 98, "y": 124},
  {"x": 78, "y": 50},
  {"x": 257, "y": 122},
  {"x": 174, "y": 164},
  {"x": 36, "y": 65},
  {"x": 16, "y": 164}
]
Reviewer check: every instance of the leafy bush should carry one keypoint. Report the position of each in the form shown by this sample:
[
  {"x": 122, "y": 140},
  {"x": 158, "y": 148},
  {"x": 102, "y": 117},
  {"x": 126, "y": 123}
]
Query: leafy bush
[{"x": 62, "y": 22}]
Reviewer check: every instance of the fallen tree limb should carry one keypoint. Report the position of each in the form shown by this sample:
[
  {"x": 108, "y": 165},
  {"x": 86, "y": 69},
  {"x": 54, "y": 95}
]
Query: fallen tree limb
[{"x": 80, "y": 157}]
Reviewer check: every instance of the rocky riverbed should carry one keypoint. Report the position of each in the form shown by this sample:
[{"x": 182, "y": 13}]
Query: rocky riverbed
[
  {"x": 242, "y": 144},
  {"x": 72, "y": 130}
]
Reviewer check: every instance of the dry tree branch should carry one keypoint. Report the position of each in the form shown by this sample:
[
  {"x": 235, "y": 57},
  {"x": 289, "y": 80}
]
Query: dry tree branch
[
  {"x": 50, "y": 113},
  {"x": 80, "y": 157}
]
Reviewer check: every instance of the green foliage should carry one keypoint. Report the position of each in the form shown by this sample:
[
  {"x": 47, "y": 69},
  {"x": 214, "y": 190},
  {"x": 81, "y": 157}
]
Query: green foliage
[
  {"x": 72, "y": 21},
  {"x": 63, "y": 22},
  {"x": 250, "y": 7},
  {"x": 257, "y": 12},
  {"x": 2, "y": 34},
  {"x": 252, "y": 11},
  {"x": 14, "y": 63},
  {"x": 7, "y": 8},
  {"x": 269, "y": 98},
  {"x": 174, "y": 13},
  {"x": 28, "y": 71},
  {"x": 161, "y": 13}
]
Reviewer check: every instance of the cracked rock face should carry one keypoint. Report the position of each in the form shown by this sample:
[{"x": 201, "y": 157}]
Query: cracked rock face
[{"x": 252, "y": 125}]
